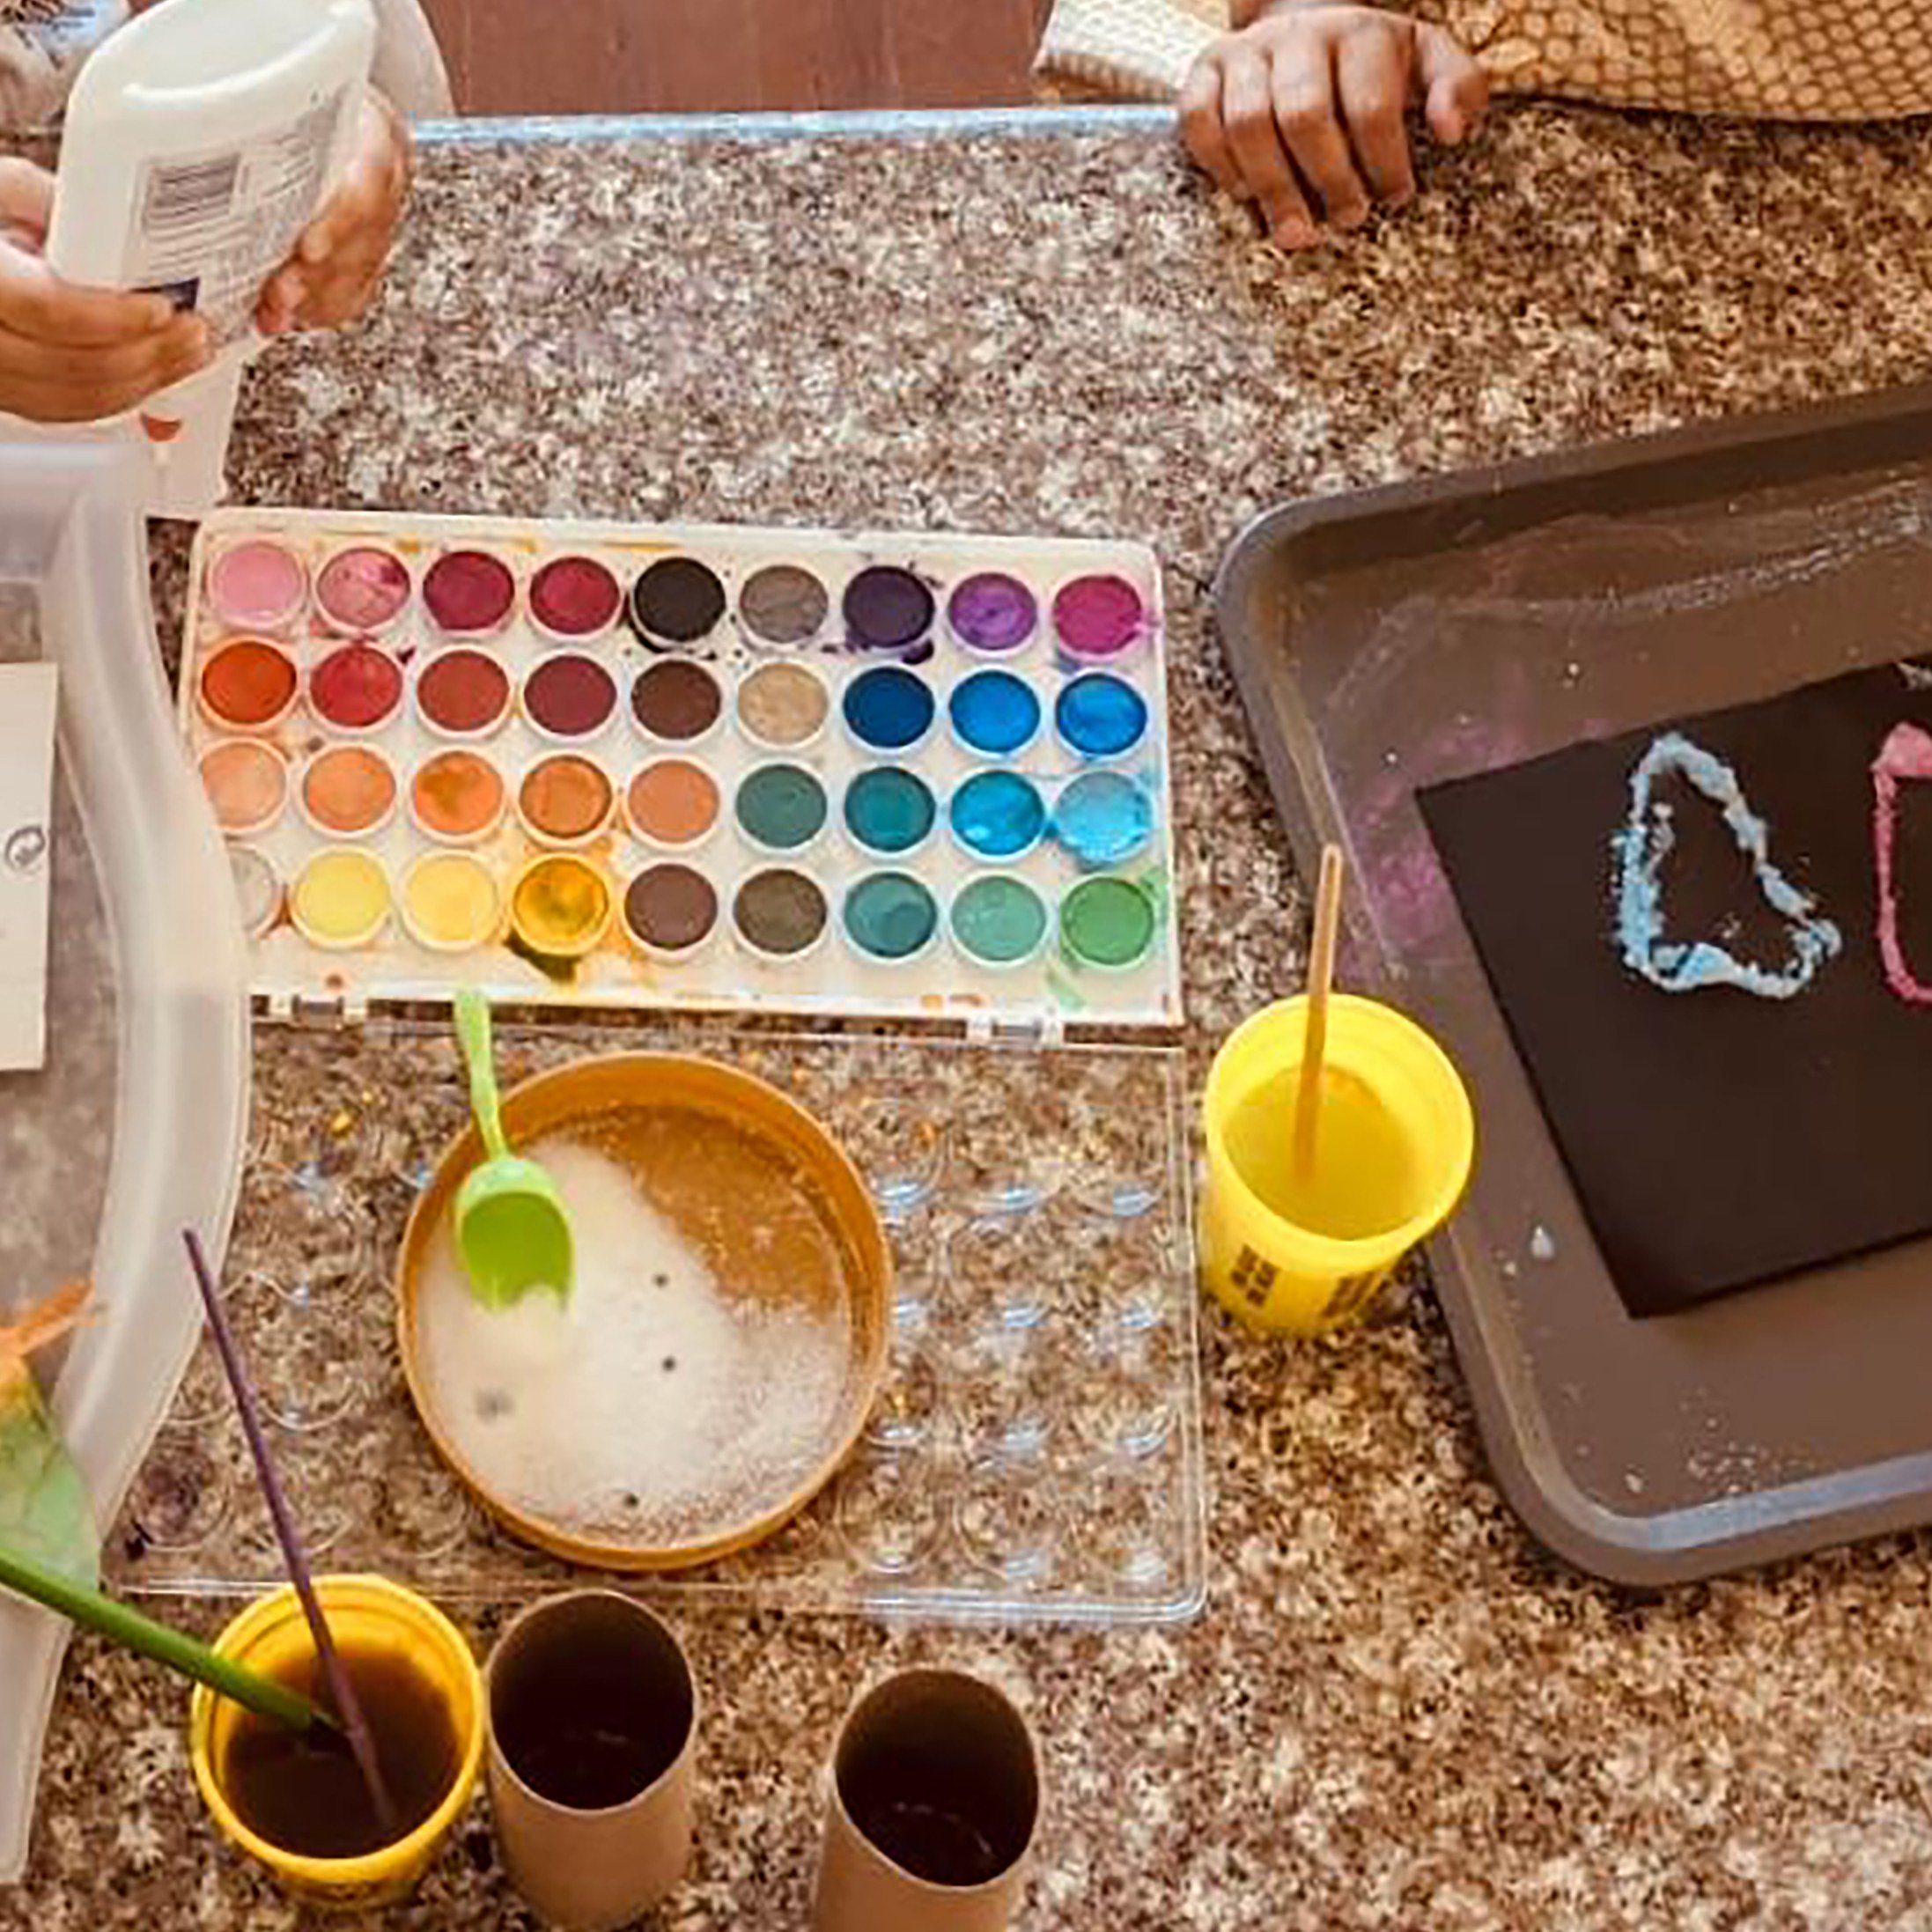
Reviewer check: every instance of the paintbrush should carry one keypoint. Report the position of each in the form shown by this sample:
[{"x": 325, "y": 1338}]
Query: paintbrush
[{"x": 341, "y": 1690}]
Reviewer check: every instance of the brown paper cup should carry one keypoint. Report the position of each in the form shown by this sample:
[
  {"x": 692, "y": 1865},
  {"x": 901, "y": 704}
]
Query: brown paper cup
[
  {"x": 592, "y": 1738},
  {"x": 935, "y": 1798}
]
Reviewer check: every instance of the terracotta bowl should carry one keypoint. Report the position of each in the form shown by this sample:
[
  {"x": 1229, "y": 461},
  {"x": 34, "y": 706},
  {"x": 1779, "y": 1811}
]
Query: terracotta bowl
[{"x": 587, "y": 1094}]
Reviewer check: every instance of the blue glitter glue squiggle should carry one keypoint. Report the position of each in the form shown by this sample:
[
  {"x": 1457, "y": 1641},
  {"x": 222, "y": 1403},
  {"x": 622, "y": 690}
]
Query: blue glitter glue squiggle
[{"x": 1639, "y": 851}]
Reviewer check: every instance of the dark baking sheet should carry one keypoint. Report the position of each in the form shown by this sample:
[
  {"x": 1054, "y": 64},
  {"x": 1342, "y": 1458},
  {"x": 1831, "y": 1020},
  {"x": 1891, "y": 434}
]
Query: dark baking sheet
[{"x": 1389, "y": 641}]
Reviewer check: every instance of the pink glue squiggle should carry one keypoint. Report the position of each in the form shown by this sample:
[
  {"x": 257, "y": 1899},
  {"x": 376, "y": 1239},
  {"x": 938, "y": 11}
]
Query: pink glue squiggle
[{"x": 1905, "y": 758}]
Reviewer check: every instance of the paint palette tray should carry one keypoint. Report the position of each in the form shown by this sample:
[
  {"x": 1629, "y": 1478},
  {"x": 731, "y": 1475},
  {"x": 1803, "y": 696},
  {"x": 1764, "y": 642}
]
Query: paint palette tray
[
  {"x": 1037, "y": 1452},
  {"x": 596, "y": 765}
]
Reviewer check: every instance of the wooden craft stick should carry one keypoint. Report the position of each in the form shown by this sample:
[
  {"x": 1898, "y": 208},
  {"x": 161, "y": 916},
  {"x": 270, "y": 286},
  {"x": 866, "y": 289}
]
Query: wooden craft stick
[{"x": 1308, "y": 1099}]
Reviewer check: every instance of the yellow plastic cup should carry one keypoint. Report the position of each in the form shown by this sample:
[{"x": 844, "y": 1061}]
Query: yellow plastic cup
[
  {"x": 365, "y": 1613},
  {"x": 1396, "y": 1144}
]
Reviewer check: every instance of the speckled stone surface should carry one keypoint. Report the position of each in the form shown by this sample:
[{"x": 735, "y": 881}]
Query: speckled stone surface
[{"x": 1395, "y": 1713}]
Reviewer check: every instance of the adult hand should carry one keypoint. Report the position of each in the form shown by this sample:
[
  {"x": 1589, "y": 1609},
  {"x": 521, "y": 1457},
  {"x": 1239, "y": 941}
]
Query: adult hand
[
  {"x": 333, "y": 275},
  {"x": 70, "y": 354},
  {"x": 1304, "y": 112}
]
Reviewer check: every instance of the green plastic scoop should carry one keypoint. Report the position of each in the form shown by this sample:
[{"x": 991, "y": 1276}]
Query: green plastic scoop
[{"x": 512, "y": 1228}]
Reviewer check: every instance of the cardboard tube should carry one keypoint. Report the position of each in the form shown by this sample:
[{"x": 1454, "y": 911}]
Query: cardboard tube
[
  {"x": 600, "y": 1861},
  {"x": 934, "y": 1803}
]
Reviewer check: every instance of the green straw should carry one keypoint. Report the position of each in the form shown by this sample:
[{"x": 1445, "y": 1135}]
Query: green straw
[{"x": 148, "y": 1639}]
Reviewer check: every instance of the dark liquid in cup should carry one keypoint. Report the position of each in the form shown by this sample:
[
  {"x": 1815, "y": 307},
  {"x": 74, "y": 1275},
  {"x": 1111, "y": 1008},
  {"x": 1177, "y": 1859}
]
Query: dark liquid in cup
[
  {"x": 586, "y": 1730},
  {"x": 940, "y": 1846},
  {"x": 303, "y": 1792}
]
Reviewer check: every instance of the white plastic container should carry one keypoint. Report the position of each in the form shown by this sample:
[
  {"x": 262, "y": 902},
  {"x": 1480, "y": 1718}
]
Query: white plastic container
[
  {"x": 133, "y": 1129},
  {"x": 200, "y": 141}
]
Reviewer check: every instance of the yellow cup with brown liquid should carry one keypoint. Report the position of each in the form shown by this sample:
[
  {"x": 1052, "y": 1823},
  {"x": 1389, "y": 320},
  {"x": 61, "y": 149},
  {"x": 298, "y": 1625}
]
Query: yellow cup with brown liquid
[{"x": 296, "y": 1805}]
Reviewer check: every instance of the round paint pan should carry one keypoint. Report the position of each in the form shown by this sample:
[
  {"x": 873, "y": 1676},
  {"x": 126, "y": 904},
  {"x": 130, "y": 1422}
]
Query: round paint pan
[
  {"x": 258, "y": 890},
  {"x": 257, "y": 584},
  {"x": 781, "y": 809},
  {"x": 783, "y": 707},
  {"x": 677, "y": 601},
  {"x": 1097, "y": 716},
  {"x": 992, "y": 614},
  {"x": 999, "y": 921},
  {"x": 348, "y": 791},
  {"x": 340, "y": 901},
  {"x": 569, "y": 696},
  {"x": 356, "y": 688},
  {"x": 469, "y": 594},
  {"x": 890, "y": 811},
  {"x": 888, "y": 710},
  {"x": 671, "y": 911},
  {"x": 993, "y": 714},
  {"x": 1100, "y": 620},
  {"x": 1110, "y": 925},
  {"x": 463, "y": 694},
  {"x": 457, "y": 798},
  {"x": 996, "y": 817},
  {"x": 363, "y": 590},
  {"x": 451, "y": 903},
  {"x": 247, "y": 784},
  {"x": 565, "y": 801},
  {"x": 560, "y": 906},
  {"x": 887, "y": 607},
  {"x": 889, "y": 919},
  {"x": 1104, "y": 818},
  {"x": 677, "y": 702},
  {"x": 732, "y": 1138},
  {"x": 780, "y": 915},
  {"x": 247, "y": 684},
  {"x": 672, "y": 806},
  {"x": 784, "y": 607},
  {"x": 575, "y": 600}
]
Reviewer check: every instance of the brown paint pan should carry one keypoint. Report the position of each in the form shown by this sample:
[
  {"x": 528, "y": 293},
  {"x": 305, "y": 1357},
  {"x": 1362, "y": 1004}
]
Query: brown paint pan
[{"x": 774, "y": 1207}]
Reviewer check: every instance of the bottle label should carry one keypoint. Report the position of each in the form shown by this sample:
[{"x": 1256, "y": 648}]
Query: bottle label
[{"x": 211, "y": 229}]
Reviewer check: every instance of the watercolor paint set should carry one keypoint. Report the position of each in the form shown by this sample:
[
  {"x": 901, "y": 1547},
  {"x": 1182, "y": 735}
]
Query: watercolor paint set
[{"x": 593, "y": 764}]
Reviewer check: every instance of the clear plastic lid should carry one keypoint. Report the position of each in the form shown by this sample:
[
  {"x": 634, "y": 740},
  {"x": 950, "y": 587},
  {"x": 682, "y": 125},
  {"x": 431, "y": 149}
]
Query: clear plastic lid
[{"x": 133, "y": 1129}]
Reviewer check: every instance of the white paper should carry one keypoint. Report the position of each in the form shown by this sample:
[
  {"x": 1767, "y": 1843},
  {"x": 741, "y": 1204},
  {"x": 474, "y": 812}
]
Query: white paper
[{"x": 29, "y": 695}]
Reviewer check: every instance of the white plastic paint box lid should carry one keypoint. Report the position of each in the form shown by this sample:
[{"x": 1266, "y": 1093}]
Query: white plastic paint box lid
[{"x": 133, "y": 1128}]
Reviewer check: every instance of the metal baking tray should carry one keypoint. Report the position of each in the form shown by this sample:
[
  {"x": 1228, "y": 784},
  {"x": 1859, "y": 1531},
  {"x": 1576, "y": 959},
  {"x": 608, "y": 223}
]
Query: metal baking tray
[{"x": 1388, "y": 640}]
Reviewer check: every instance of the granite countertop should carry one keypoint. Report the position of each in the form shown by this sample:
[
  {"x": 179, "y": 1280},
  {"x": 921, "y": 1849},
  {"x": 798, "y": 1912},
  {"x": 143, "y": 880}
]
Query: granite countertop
[{"x": 1395, "y": 1711}]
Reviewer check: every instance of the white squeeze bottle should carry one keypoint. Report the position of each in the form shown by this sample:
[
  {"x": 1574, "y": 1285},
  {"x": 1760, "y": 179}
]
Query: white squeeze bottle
[{"x": 200, "y": 140}]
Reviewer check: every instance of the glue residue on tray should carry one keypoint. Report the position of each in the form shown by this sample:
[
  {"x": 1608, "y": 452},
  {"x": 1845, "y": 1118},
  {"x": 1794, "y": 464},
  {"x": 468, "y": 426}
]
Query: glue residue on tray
[{"x": 699, "y": 1371}]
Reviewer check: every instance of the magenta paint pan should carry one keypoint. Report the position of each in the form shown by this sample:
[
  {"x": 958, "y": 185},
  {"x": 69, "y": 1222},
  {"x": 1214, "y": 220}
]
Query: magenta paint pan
[
  {"x": 1100, "y": 619},
  {"x": 469, "y": 594},
  {"x": 575, "y": 600},
  {"x": 358, "y": 686},
  {"x": 363, "y": 591},
  {"x": 463, "y": 693},
  {"x": 569, "y": 696},
  {"x": 257, "y": 584}
]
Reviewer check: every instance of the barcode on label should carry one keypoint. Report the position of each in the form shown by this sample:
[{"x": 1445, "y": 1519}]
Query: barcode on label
[{"x": 186, "y": 196}]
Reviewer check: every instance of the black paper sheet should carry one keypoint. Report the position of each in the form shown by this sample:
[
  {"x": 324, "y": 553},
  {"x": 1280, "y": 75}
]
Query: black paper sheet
[{"x": 1717, "y": 1140}]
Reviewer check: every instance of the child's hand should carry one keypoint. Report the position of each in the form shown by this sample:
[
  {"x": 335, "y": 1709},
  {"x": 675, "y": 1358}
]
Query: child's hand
[
  {"x": 75, "y": 355},
  {"x": 332, "y": 276},
  {"x": 1303, "y": 112}
]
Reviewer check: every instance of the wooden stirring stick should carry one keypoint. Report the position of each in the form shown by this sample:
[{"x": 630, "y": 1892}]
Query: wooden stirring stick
[
  {"x": 1308, "y": 1099},
  {"x": 341, "y": 1690}
]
